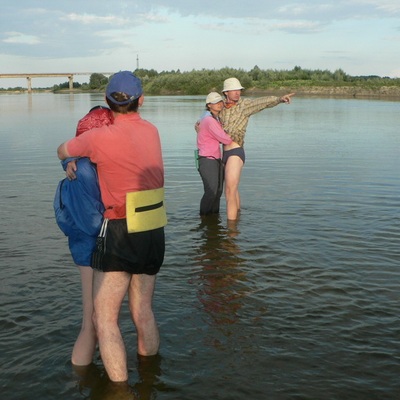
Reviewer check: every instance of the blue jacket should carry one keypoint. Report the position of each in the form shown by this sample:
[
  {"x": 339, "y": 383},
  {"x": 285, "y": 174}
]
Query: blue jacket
[{"x": 79, "y": 210}]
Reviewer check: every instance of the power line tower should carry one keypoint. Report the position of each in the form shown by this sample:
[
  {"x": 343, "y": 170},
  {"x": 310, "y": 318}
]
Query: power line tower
[{"x": 137, "y": 61}]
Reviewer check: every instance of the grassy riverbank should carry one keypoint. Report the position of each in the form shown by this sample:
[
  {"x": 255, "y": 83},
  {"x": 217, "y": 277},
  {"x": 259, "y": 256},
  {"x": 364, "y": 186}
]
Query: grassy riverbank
[{"x": 257, "y": 82}]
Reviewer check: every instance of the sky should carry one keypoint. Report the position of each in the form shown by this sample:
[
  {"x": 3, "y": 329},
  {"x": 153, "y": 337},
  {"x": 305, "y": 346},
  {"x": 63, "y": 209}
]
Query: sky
[{"x": 361, "y": 37}]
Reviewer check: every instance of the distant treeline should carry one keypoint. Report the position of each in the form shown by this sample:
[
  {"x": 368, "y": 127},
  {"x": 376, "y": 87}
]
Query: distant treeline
[{"x": 203, "y": 81}]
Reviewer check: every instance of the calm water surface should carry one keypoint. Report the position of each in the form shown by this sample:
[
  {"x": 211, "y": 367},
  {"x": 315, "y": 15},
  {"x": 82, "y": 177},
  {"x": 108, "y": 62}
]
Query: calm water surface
[{"x": 299, "y": 300}]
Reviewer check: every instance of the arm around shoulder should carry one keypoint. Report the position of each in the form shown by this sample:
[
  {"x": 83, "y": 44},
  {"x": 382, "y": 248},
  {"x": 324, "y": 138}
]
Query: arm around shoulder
[{"x": 218, "y": 132}]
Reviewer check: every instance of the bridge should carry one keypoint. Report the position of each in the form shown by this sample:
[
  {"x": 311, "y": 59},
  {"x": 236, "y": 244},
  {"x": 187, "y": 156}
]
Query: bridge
[{"x": 69, "y": 75}]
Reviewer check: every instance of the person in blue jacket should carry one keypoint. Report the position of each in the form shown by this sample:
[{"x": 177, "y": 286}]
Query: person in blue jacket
[{"x": 79, "y": 214}]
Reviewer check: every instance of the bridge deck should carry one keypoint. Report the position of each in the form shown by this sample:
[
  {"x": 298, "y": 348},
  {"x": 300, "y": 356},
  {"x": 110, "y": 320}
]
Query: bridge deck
[
  {"x": 69, "y": 75},
  {"x": 51, "y": 74}
]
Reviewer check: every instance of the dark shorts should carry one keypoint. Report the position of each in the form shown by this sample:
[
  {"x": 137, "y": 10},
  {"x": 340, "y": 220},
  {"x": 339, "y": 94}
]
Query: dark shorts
[
  {"x": 135, "y": 253},
  {"x": 237, "y": 151}
]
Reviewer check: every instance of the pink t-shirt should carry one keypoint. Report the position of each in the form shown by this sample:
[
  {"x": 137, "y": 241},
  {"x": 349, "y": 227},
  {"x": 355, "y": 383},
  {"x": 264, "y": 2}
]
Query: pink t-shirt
[
  {"x": 210, "y": 136},
  {"x": 128, "y": 157}
]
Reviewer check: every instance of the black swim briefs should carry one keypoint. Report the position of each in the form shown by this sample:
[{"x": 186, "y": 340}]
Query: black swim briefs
[{"x": 237, "y": 151}]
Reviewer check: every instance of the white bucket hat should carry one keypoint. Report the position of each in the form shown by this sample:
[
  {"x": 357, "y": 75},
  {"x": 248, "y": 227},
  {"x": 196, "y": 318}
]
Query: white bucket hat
[
  {"x": 232, "y": 84},
  {"x": 214, "y": 98}
]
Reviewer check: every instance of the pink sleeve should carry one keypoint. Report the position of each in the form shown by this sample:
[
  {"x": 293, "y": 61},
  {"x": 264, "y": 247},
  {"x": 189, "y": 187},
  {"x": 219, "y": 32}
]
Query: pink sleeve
[{"x": 216, "y": 130}]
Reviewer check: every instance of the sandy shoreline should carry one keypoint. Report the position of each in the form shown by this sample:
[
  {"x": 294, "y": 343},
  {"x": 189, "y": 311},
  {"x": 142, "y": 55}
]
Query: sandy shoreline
[{"x": 385, "y": 92}]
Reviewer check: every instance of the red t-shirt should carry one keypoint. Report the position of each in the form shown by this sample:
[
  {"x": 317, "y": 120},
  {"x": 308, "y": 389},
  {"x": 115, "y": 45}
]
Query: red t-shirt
[{"x": 128, "y": 157}]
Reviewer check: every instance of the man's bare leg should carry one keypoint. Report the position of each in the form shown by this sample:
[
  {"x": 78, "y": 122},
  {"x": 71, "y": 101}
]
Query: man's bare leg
[
  {"x": 233, "y": 170},
  {"x": 140, "y": 303},
  {"x": 109, "y": 290}
]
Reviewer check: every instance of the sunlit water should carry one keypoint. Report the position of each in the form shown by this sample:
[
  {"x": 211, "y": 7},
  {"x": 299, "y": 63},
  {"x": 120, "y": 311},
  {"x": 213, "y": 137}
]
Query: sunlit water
[{"x": 299, "y": 300}]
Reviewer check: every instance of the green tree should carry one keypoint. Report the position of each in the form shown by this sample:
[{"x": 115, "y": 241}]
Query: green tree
[
  {"x": 201, "y": 82},
  {"x": 256, "y": 73},
  {"x": 339, "y": 75},
  {"x": 97, "y": 81}
]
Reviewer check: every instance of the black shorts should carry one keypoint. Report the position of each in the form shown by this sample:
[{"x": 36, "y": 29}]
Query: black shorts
[
  {"x": 237, "y": 151},
  {"x": 135, "y": 253}
]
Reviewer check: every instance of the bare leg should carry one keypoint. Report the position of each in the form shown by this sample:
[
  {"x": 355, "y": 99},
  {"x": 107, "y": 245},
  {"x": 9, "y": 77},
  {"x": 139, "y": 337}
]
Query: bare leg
[
  {"x": 233, "y": 170},
  {"x": 140, "y": 303},
  {"x": 238, "y": 200},
  {"x": 85, "y": 345},
  {"x": 109, "y": 289}
]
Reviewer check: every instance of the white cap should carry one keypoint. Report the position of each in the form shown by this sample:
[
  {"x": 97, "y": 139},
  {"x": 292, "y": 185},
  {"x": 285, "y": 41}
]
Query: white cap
[
  {"x": 232, "y": 84},
  {"x": 214, "y": 98}
]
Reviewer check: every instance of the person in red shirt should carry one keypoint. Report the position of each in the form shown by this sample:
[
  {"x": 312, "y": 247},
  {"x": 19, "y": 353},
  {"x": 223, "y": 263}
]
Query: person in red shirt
[{"x": 131, "y": 244}]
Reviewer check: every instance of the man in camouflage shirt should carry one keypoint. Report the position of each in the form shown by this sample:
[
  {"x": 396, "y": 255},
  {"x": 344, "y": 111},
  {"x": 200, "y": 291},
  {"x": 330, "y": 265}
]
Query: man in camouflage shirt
[{"x": 235, "y": 117}]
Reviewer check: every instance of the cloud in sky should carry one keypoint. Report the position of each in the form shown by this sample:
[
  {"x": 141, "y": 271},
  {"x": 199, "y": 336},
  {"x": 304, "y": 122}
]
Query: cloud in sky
[
  {"x": 95, "y": 19},
  {"x": 20, "y": 38},
  {"x": 359, "y": 36},
  {"x": 299, "y": 27}
]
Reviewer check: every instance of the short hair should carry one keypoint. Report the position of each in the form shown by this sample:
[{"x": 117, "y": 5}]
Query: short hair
[{"x": 124, "y": 109}]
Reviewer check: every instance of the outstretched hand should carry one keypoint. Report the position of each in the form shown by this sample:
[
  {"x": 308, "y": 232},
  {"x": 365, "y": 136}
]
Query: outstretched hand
[{"x": 287, "y": 98}]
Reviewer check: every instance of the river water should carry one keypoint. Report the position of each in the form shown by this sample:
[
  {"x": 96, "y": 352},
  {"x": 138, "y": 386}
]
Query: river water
[{"x": 299, "y": 300}]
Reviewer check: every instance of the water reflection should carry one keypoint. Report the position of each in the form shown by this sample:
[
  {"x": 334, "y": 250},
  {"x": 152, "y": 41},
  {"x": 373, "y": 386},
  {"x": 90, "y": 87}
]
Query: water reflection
[
  {"x": 220, "y": 279},
  {"x": 94, "y": 384},
  {"x": 150, "y": 383}
]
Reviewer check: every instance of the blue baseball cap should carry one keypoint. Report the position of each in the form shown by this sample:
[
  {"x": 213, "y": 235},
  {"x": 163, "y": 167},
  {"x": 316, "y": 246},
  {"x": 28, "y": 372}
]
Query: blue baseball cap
[{"x": 125, "y": 82}]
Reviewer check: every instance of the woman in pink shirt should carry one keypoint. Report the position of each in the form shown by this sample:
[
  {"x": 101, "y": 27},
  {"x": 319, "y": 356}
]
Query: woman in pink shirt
[{"x": 210, "y": 135}]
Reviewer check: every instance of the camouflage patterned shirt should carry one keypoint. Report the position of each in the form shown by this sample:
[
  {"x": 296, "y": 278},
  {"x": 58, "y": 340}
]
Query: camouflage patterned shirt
[{"x": 235, "y": 119}]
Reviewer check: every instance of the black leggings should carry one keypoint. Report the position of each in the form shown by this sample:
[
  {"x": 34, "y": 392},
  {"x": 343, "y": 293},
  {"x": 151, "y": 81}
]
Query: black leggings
[{"x": 212, "y": 173}]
